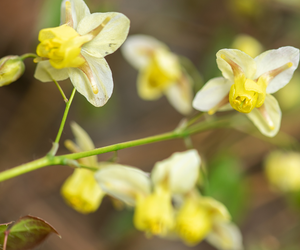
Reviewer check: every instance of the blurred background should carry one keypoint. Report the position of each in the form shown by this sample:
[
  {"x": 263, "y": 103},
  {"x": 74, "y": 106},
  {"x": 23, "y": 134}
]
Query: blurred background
[{"x": 31, "y": 111}]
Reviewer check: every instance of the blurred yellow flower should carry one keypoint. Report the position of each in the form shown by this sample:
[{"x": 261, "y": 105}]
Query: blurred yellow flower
[
  {"x": 80, "y": 190},
  {"x": 77, "y": 48},
  {"x": 247, "y": 44},
  {"x": 283, "y": 170},
  {"x": 159, "y": 72},
  {"x": 154, "y": 214}
]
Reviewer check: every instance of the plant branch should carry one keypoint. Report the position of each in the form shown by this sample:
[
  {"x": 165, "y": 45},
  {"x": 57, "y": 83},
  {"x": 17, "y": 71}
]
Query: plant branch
[{"x": 67, "y": 159}]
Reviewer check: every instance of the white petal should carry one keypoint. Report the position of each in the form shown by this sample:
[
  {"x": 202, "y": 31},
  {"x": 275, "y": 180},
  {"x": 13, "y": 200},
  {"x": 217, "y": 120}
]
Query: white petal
[
  {"x": 79, "y": 10},
  {"x": 46, "y": 73},
  {"x": 101, "y": 77},
  {"x": 180, "y": 97},
  {"x": 244, "y": 61},
  {"x": 273, "y": 59},
  {"x": 181, "y": 170},
  {"x": 213, "y": 92},
  {"x": 273, "y": 110},
  {"x": 225, "y": 236},
  {"x": 84, "y": 142},
  {"x": 137, "y": 49},
  {"x": 124, "y": 183},
  {"x": 110, "y": 37}
]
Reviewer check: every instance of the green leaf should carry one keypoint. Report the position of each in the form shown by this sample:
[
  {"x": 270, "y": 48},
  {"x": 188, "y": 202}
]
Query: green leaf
[
  {"x": 26, "y": 233},
  {"x": 226, "y": 184}
]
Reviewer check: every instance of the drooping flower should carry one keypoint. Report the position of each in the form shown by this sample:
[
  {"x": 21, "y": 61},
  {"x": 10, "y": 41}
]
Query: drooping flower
[
  {"x": 160, "y": 72},
  {"x": 205, "y": 218},
  {"x": 247, "y": 84},
  {"x": 152, "y": 198},
  {"x": 77, "y": 48},
  {"x": 80, "y": 190},
  {"x": 283, "y": 170}
]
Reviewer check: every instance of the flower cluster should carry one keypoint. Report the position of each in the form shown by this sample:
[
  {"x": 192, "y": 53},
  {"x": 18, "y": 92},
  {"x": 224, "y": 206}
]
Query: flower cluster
[{"x": 168, "y": 203}]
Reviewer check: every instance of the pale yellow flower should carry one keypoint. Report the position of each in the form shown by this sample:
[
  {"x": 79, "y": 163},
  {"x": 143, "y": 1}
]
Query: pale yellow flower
[
  {"x": 160, "y": 72},
  {"x": 283, "y": 170},
  {"x": 77, "y": 48},
  {"x": 205, "y": 218},
  {"x": 248, "y": 84},
  {"x": 247, "y": 44},
  {"x": 152, "y": 198},
  {"x": 80, "y": 190}
]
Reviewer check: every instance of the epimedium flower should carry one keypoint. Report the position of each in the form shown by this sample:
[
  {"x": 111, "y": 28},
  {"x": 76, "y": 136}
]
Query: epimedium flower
[
  {"x": 247, "y": 85},
  {"x": 77, "y": 48},
  {"x": 282, "y": 170},
  {"x": 152, "y": 197},
  {"x": 201, "y": 218},
  {"x": 160, "y": 72},
  {"x": 80, "y": 190}
]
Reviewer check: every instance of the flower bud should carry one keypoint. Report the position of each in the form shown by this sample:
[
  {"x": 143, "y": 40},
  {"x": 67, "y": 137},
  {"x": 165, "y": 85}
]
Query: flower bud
[{"x": 11, "y": 68}]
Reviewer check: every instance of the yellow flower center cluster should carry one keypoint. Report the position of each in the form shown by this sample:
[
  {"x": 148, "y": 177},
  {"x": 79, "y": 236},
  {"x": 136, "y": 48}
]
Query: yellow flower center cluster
[
  {"x": 154, "y": 213},
  {"x": 193, "y": 222},
  {"x": 246, "y": 94},
  {"x": 62, "y": 46}
]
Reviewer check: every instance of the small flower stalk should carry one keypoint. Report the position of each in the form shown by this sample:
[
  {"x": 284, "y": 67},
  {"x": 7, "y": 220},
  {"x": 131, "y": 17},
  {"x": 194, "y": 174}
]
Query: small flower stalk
[
  {"x": 11, "y": 69},
  {"x": 160, "y": 72},
  {"x": 76, "y": 50},
  {"x": 247, "y": 85}
]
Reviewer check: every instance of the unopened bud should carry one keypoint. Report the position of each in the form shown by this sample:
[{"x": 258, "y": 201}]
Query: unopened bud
[{"x": 11, "y": 68}]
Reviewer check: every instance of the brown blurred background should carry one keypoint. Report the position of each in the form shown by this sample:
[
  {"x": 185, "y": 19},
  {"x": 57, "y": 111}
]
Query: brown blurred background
[{"x": 30, "y": 114}]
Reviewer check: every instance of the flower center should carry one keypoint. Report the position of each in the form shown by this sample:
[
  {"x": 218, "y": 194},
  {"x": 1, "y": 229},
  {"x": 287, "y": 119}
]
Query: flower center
[
  {"x": 62, "y": 46},
  {"x": 246, "y": 94}
]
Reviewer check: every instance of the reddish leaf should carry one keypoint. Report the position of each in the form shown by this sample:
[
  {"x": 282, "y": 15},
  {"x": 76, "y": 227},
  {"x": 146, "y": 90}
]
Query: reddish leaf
[{"x": 26, "y": 233}]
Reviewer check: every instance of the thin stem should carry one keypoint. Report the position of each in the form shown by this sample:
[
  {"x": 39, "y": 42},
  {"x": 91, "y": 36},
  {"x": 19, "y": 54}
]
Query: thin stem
[
  {"x": 60, "y": 90},
  {"x": 28, "y": 55},
  {"x": 67, "y": 159},
  {"x": 5, "y": 240},
  {"x": 68, "y": 104},
  {"x": 195, "y": 119}
]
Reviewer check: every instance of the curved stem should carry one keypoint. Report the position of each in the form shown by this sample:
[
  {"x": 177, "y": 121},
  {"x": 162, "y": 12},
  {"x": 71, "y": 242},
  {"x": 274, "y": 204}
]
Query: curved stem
[
  {"x": 68, "y": 158},
  {"x": 28, "y": 55},
  {"x": 68, "y": 104}
]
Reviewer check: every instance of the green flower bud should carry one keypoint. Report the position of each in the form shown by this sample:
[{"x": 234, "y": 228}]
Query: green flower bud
[{"x": 11, "y": 68}]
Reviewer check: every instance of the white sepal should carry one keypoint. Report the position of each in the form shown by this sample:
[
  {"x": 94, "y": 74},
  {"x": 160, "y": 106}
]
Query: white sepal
[
  {"x": 268, "y": 118},
  {"x": 213, "y": 92},
  {"x": 180, "y": 171},
  {"x": 273, "y": 59},
  {"x": 123, "y": 182}
]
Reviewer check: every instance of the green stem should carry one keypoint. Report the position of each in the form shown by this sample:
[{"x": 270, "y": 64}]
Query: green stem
[
  {"x": 61, "y": 91},
  {"x": 65, "y": 159},
  {"x": 28, "y": 55},
  {"x": 68, "y": 104}
]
